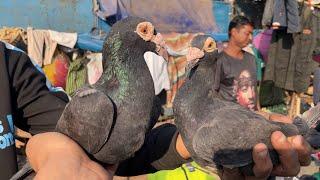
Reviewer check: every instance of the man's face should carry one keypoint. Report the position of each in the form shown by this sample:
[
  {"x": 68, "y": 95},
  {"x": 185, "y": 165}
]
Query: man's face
[{"x": 242, "y": 36}]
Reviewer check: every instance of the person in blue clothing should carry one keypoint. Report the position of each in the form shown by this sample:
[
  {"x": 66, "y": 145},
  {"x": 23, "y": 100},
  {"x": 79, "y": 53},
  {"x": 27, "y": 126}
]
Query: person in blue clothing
[{"x": 25, "y": 102}]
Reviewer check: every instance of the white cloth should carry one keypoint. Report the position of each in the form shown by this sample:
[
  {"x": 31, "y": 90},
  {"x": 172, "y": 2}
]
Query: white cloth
[
  {"x": 95, "y": 69},
  {"x": 38, "y": 39},
  {"x": 62, "y": 38},
  {"x": 158, "y": 69}
]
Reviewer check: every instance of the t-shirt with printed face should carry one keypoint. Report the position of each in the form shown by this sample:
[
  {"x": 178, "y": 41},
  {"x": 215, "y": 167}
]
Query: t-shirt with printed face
[{"x": 235, "y": 79}]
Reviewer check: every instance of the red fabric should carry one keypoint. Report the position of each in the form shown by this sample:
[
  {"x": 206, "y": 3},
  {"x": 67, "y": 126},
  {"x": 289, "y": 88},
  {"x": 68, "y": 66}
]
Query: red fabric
[
  {"x": 316, "y": 58},
  {"x": 57, "y": 71}
]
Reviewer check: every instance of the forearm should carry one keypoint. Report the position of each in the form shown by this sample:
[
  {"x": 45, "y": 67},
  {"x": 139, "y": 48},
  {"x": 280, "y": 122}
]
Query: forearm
[
  {"x": 275, "y": 117},
  {"x": 55, "y": 156},
  {"x": 48, "y": 146},
  {"x": 181, "y": 148},
  {"x": 280, "y": 118}
]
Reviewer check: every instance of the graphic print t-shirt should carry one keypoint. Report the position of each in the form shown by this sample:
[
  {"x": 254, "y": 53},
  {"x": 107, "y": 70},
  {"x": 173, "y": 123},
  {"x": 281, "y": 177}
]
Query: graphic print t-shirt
[
  {"x": 25, "y": 102},
  {"x": 235, "y": 79}
]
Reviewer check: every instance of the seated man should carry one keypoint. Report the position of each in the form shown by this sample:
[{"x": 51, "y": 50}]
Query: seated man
[{"x": 236, "y": 78}]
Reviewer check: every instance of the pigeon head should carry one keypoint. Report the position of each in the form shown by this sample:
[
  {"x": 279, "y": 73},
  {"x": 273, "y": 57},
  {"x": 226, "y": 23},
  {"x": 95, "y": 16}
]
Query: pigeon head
[
  {"x": 132, "y": 33},
  {"x": 204, "y": 42},
  {"x": 201, "y": 48}
]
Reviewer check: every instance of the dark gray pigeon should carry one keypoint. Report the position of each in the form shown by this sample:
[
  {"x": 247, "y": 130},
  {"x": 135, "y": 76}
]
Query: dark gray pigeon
[
  {"x": 216, "y": 132},
  {"x": 110, "y": 119}
]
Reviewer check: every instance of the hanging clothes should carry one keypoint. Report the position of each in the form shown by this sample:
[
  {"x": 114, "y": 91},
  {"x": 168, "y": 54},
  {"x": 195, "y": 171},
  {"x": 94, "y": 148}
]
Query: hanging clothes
[
  {"x": 262, "y": 43},
  {"x": 94, "y": 67},
  {"x": 284, "y": 12},
  {"x": 290, "y": 56},
  {"x": 42, "y": 44},
  {"x": 316, "y": 52},
  {"x": 316, "y": 86},
  {"x": 105, "y": 8},
  {"x": 77, "y": 75},
  {"x": 258, "y": 59},
  {"x": 57, "y": 71}
]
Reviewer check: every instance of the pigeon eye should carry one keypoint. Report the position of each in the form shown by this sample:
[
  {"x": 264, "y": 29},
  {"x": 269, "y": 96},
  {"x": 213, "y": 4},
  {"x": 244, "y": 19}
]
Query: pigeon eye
[{"x": 145, "y": 30}]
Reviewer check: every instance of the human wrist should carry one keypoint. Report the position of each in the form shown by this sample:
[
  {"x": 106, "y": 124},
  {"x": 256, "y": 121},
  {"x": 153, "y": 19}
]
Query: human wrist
[
  {"x": 39, "y": 151},
  {"x": 181, "y": 148}
]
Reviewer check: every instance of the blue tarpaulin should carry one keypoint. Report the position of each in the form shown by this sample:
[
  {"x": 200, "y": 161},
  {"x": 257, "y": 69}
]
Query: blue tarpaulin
[
  {"x": 219, "y": 11},
  {"x": 76, "y": 16},
  {"x": 168, "y": 16}
]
